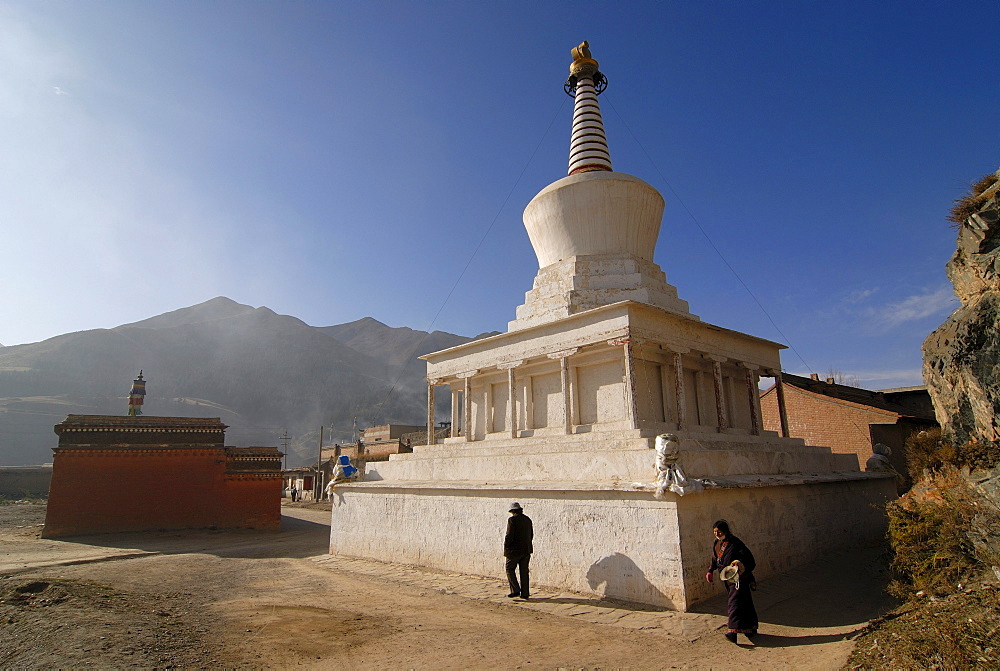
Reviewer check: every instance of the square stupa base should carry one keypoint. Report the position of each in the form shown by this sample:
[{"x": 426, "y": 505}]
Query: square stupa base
[{"x": 618, "y": 542}]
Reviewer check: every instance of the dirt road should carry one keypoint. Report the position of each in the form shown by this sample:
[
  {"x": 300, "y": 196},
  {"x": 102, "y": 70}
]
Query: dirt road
[{"x": 248, "y": 599}]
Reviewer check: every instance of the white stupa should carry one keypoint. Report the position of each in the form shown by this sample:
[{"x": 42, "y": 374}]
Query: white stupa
[{"x": 561, "y": 412}]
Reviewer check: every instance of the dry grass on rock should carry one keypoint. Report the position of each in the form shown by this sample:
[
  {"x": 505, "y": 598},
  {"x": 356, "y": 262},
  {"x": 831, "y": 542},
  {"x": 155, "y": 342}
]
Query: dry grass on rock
[
  {"x": 973, "y": 201},
  {"x": 926, "y": 451},
  {"x": 928, "y": 531},
  {"x": 945, "y": 536}
]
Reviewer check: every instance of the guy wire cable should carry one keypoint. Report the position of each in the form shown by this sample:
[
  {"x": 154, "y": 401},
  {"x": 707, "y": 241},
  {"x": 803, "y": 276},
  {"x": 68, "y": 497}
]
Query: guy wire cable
[
  {"x": 704, "y": 233},
  {"x": 475, "y": 251}
]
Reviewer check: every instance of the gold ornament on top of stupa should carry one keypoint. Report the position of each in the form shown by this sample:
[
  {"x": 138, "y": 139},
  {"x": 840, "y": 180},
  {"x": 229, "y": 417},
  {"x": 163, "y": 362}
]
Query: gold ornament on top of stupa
[
  {"x": 583, "y": 64},
  {"x": 584, "y": 67}
]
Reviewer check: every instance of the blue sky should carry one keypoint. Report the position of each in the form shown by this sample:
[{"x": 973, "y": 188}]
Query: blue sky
[{"x": 339, "y": 160}]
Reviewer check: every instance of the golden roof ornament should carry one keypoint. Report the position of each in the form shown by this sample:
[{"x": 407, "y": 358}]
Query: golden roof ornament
[
  {"x": 584, "y": 67},
  {"x": 583, "y": 64}
]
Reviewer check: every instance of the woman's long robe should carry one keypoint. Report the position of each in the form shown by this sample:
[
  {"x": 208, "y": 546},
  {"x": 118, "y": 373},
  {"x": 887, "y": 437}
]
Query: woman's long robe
[{"x": 742, "y": 614}]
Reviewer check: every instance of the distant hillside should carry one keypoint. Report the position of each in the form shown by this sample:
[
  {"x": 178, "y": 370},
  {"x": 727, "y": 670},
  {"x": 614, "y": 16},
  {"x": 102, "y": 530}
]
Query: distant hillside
[
  {"x": 397, "y": 348},
  {"x": 397, "y": 345},
  {"x": 261, "y": 372}
]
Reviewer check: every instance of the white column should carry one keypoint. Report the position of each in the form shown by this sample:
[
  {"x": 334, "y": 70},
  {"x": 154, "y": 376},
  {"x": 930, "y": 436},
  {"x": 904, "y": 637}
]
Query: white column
[
  {"x": 720, "y": 399},
  {"x": 779, "y": 392},
  {"x": 564, "y": 383},
  {"x": 430, "y": 411},
  {"x": 567, "y": 399},
  {"x": 630, "y": 407},
  {"x": 509, "y": 366},
  {"x": 529, "y": 405},
  {"x": 753, "y": 395},
  {"x": 488, "y": 410},
  {"x": 679, "y": 390},
  {"x": 454, "y": 413},
  {"x": 467, "y": 428},
  {"x": 511, "y": 403}
]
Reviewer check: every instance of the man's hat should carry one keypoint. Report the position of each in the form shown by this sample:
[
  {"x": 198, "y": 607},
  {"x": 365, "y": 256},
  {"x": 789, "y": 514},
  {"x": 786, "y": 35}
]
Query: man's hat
[{"x": 515, "y": 506}]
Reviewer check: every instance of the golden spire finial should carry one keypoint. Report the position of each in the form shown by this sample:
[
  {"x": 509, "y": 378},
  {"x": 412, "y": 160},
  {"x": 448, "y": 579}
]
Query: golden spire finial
[{"x": 583, "y": 64}]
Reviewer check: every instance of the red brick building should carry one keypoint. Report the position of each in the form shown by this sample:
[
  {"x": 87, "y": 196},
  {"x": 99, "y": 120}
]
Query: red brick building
[
  {"x": 848, "y": 419},
  {"x": 113, "y": 474}
]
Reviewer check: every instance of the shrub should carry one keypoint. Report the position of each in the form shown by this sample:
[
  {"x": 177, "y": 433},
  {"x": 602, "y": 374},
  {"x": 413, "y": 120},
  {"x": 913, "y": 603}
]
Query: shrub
[
  {"x": 957, "y": 632},
  {"x": 927, "y": 530},
  {"x": 925, "y": 451},
  {"x": 979, "y": 456}
]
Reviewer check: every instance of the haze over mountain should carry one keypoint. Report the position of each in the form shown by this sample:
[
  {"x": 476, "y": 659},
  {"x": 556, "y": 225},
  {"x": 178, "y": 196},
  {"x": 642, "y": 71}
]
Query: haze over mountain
[{"x": 261, "y": 372}]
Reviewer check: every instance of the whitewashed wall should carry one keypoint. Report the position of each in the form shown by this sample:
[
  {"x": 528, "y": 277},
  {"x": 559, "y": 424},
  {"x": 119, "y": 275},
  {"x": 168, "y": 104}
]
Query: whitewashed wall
[{"x": 624, "y": 545}]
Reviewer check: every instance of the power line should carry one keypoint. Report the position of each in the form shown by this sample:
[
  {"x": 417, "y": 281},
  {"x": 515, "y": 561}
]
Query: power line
[
  {"x": 707, "y": 237},
  {"x": 472, "y": 256}
]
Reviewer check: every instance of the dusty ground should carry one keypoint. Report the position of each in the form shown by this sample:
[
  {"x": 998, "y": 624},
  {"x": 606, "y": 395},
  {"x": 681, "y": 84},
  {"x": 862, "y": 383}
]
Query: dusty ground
[{"x": 248, "y": 599}]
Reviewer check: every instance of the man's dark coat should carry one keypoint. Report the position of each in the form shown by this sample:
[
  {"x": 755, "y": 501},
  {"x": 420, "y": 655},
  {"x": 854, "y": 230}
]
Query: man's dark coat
[{"x": 517, "y": 542}]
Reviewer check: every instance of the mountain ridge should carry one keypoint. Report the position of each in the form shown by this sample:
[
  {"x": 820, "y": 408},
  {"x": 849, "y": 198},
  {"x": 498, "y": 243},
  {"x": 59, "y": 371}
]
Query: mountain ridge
[{"x": 261, "y": 371}]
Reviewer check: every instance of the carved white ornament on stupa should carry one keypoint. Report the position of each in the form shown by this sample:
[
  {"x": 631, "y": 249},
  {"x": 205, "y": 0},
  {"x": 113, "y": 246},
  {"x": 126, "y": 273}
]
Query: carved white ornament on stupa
[{"x": 594, "y": 232}]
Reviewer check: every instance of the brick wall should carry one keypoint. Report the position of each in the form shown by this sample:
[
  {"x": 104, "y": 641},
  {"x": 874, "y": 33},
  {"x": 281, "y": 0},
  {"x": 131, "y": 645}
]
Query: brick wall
[
  {"x": 135, "y": 489},
  {"x": 250, "y": 502},
  {"x": 821, "y": 420}
]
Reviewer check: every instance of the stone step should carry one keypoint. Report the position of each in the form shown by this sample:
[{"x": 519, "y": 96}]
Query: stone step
[
  {"x": 627, "y": 464},
  {"x": 605, "y": 442}
]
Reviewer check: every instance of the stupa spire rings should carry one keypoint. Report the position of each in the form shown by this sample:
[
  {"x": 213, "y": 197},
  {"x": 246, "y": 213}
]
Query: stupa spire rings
[{"x": 588, "y": 147}]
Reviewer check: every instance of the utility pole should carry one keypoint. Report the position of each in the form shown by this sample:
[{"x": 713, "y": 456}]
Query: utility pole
[{"x": 319, "y": 463}]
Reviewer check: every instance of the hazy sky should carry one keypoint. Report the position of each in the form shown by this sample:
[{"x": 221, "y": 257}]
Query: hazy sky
[{"x": 335, "y": 160}]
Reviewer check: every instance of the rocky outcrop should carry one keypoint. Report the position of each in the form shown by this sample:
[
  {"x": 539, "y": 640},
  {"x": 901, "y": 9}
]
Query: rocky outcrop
[{"x": 962, "y": 356}]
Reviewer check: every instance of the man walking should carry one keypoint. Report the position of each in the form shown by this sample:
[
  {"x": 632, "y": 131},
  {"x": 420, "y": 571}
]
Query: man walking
[{"x": 517, "y": 549}]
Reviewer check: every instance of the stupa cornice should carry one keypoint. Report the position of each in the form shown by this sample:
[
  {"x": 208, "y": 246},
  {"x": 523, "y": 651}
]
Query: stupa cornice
[{"x": 645, "y": 327}]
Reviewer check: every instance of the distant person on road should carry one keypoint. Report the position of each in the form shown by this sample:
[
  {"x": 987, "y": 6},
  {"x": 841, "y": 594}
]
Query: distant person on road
[
  {"x": 735, "y": 563},
  {"x": 517, "y": 549},
  {"x": 295, "y": 493}
]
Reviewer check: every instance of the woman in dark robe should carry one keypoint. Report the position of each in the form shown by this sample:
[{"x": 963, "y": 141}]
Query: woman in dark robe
[{"x": 729, "y": 550}]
